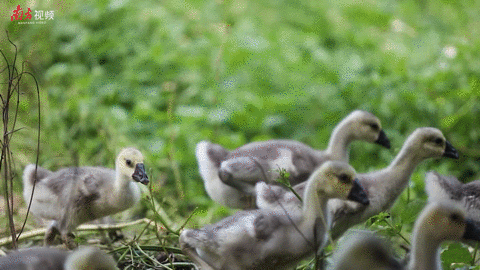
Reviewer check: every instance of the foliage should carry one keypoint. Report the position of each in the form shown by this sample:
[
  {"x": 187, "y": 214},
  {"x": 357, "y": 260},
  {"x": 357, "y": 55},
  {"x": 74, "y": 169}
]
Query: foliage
[{"x": 163, "y": 76}]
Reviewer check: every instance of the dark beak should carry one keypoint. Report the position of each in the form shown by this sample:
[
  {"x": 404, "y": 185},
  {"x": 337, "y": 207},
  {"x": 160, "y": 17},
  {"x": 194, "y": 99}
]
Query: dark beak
[
  {"x": 140, "y": 175},
  {"x": 472, "y": 230},
  {"x": 383, "y": 140},
  {"x": 358, "y": 194},
  {"x": 394, "y": 264},
  {"x": 450, "y": 151}
]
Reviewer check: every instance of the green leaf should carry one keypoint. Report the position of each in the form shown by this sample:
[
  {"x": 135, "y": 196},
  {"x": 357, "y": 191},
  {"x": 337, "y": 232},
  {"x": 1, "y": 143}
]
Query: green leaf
[{"x": 455, "y": 253}]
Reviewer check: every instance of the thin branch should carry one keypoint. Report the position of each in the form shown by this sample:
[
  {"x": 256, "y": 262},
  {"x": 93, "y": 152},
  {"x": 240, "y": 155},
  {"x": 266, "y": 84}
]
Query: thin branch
[
  {"x": 85, "y": 227},
  {"x": 37, "y": 154},
  {"x": 5, "y": 161},
  {"x": 14, "y": 80},
  {"x": 160, "y": 217}
]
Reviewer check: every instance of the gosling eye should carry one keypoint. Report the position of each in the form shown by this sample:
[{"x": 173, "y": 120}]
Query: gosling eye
[
  {"x": 438, "y": 141},
  {"x": 456, "y": 217},
  {"x": 129, "y": 162},
  {"x": 374, "y": 126},
  {"x": 344, "y": 178}
]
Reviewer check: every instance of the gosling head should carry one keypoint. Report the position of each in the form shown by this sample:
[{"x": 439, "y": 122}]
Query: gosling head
[
  {"x": 442, "y": 221},
  {"x": 130, "y": 162},
  {"x": 338, "y": 178},
  {"x": 429, "y": 142},
  {"x": 367, "y": 127},
  {"x": 90, "y": 258}
]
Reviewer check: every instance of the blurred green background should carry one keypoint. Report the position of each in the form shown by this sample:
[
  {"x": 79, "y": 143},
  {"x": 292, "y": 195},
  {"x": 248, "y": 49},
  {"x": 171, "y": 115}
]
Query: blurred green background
[{"x": 162, "y": 76}]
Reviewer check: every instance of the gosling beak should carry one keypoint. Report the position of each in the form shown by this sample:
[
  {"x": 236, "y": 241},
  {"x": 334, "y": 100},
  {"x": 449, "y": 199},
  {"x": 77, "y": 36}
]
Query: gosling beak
[
  {"x": 140, "y": 175},
  {"x": 472, "y": 230},
  {"x": 450, "y": 151},
  {"x": 383, "y": 139},
  {"x": 394, "y": 264},
  {"x": 358, "y": 194}
]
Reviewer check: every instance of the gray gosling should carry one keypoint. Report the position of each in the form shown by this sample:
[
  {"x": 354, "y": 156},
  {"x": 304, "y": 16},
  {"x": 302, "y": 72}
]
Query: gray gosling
[
  {"x": 72, "y": 196},
  {"x": 87, "y": 258},
  {"x": 230, "y": 176},
  {"x": 363, "y": 250},
  {"x": 448, "y": 188},
  {"x": 270, "y": 239},
  {"x": 438, "y": 222},
  {"x": 383, "y": 186}
]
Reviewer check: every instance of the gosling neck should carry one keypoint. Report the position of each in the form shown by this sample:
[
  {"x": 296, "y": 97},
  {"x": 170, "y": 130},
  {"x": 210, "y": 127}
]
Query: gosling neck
[
  {"x": 122, "y": 181},
  {"x": 402, "y": 167},
  {"x": 339, "y": 142},
  {"x": 425, "y": 251},
  {"x": 315, "y": 205},
  {"x": 125, "y": 192}
]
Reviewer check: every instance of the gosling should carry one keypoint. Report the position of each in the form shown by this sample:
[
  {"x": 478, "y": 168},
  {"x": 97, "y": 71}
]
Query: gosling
[
  {"x": 72, "y": 196},
  {"x": 230, "y": 177},
  {"x": 270, "y": 239}
]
